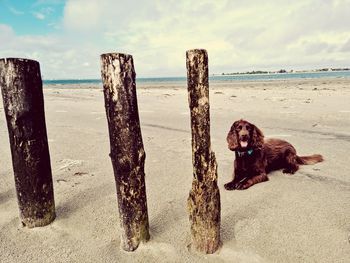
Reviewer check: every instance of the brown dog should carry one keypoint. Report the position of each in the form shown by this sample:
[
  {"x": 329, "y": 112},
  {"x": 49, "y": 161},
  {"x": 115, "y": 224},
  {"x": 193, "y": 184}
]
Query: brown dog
[{"x": 255, "y": 158}]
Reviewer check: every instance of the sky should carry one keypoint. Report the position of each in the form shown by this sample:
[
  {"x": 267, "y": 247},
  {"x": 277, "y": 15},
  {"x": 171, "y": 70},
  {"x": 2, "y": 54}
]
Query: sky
[{"x": 68, "y": 37}]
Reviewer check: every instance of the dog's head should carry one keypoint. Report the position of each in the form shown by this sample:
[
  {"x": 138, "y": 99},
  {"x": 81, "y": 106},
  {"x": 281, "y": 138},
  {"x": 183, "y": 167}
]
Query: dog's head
[{"x": 244, "y": 135}]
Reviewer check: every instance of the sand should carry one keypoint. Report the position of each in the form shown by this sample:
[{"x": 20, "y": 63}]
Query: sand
[{"x": 300, "y": 218}]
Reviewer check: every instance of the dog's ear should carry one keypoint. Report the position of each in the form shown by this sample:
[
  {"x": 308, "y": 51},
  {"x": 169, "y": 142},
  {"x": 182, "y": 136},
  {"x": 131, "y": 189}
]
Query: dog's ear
[
  {"x": 257, "y": 137},
  {"x": 232, "y": 139}
]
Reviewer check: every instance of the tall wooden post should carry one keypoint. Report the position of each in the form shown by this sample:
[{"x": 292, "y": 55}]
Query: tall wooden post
[
  {"x": 127, "y": 152},
  {"x": 21, "y": 87},
  {"x": 204, "y": 197}
]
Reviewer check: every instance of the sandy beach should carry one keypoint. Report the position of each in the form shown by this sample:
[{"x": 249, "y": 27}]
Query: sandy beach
[{"x": 300, "y": 218}]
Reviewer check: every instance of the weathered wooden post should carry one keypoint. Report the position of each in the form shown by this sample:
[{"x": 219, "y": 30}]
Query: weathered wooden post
[
  {"x": 127, "y": 152},
  {"x": 21, "y": 87},
  {"x": 204, "y": 197}
]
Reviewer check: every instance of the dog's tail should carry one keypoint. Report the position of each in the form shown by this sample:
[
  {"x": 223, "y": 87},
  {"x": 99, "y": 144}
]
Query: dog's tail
[{"x": 311, "y": 159}]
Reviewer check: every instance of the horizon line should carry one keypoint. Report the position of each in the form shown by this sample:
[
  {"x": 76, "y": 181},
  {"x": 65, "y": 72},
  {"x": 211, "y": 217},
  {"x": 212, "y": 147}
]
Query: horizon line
[{"x": 264, "y": 72}]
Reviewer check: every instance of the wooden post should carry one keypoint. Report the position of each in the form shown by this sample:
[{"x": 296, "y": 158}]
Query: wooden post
[
  {"x": 204, "y": 197},
  {"x": 21, "y": 87},
  {"x": 127, "y": 152}
]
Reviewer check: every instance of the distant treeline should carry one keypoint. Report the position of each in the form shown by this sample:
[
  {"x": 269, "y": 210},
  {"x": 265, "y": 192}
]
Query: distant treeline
[{"x": 285, "y": 71}]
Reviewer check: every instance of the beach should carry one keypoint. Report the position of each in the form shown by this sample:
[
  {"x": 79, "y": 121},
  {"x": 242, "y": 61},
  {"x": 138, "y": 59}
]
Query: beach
[{"x": 290, "y": 218}]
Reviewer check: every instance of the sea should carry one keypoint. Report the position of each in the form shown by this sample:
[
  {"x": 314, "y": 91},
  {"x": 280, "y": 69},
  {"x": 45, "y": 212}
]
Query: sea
[{"x": 219, "y": 78}]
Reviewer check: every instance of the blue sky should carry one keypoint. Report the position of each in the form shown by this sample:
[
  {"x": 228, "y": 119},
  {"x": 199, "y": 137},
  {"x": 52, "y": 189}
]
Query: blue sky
[
  {"x": 32, "y": 17},
  {"x": 67, "y": 37}
]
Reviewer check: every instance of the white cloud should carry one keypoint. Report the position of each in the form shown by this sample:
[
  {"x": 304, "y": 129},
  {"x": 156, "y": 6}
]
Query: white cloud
[
  {"x": 239, "y": 35},
  {"x": 346, "y": 46},
  {"x": 15, "y": 11},
  {"x": 6, "y": 33},
  {"x": 43, "y": 13},
  {"x": 38, "y": 15}
]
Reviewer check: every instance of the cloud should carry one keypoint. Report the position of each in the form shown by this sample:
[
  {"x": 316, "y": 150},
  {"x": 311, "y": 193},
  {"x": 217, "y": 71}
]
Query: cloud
[
  {"x": 38, "y": 15},
  {"x": 346, "y": 46},
  {"x": 15, "y": 11},
  {"x": 239, "y": 35},
  {"x": 6, "y": 34},
  {"x": 43, "y": 13},
  {"x": 55, "y": 56}
]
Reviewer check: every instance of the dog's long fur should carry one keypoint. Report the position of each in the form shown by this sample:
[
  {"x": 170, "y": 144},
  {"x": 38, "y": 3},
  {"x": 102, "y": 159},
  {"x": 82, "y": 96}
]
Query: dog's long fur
[{"x": 256, "y": 157}]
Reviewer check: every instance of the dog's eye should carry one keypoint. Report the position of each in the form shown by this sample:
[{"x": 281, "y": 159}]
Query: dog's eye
[
  {"x": 248, "y": 128},
  {"x": 239, "y": 128}
]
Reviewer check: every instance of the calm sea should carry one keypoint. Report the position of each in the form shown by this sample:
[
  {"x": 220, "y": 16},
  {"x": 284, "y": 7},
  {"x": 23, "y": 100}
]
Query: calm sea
[{"x": 219, "y": 78}]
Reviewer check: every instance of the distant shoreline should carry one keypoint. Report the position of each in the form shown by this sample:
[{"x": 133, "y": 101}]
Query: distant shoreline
[
  {"x": 217, "y": 78},
  {"x": 283, "y": 71}
]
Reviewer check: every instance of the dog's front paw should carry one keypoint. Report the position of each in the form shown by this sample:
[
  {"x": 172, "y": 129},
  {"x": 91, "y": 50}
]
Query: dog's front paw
[
  {"x": 288, "y": 171},
  {"x": 230, "y": 186},
  {"x": 244, "y": 185}
]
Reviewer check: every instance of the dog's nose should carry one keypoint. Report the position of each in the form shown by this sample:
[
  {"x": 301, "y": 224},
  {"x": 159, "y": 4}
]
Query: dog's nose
[{"x": 244, "y": 137}]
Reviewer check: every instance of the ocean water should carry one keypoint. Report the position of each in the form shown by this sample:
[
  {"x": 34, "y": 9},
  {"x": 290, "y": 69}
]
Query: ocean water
[{"x": 219, "y": 78}]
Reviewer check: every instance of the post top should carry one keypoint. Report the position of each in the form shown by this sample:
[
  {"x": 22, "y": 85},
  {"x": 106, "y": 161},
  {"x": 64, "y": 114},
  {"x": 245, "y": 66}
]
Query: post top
[
  {"x": 115, "y": 54},
  {"x": 197, "y": 50},
  {"x": 24, "y": 60}
]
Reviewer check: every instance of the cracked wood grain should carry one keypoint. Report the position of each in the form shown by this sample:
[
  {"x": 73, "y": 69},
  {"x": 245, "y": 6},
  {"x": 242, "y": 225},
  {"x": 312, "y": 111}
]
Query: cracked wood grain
[
  {"x": 204, "y": 198},
  {"x": 127, "y": 152},
  {"x": 21, "y": 87}
]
